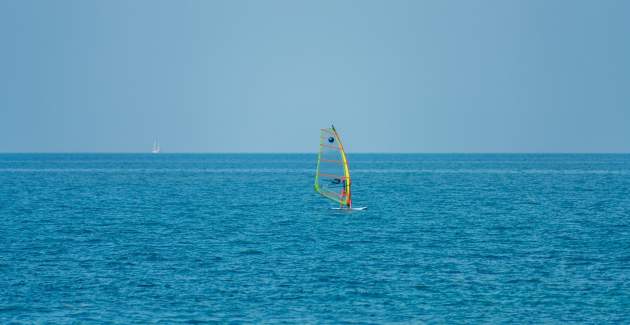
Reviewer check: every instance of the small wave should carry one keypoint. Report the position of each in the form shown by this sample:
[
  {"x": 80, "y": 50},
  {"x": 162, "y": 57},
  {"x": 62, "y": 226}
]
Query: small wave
[{"x": 250, "y": 252}]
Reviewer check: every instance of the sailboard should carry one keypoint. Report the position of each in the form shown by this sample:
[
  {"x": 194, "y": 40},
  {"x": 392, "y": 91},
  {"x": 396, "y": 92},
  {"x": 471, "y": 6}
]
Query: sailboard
[{"x": 332, "y": 179}]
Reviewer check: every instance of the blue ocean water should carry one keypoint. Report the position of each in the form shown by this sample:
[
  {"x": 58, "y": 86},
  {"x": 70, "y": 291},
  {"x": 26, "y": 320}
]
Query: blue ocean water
[{"x": 126, "y": 238}]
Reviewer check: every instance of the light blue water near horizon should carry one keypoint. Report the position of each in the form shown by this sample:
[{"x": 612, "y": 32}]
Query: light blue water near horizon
[{"x": 243, "y": 238}]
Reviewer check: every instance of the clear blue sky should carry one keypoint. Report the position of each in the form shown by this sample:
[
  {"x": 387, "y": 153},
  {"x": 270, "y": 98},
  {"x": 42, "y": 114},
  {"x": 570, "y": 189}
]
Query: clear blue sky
[{"x": 264, "y": 76}]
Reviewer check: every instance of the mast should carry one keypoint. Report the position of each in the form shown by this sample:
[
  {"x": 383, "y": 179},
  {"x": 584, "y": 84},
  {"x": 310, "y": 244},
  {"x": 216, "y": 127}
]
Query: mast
[{"x": 346, "y": 170}]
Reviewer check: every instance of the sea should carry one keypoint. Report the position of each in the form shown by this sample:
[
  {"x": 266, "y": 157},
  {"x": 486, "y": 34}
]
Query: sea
[{"x": 245, "y": 239}]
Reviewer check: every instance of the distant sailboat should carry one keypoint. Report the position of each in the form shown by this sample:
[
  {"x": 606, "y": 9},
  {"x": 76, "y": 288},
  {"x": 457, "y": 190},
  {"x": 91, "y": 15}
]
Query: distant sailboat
[
  {"x": 156, "y": 147},
  {"x": 332, "y": 179}
]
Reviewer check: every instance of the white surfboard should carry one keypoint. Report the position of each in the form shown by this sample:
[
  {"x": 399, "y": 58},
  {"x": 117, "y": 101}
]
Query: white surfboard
[{"x": 350, "y": 209}]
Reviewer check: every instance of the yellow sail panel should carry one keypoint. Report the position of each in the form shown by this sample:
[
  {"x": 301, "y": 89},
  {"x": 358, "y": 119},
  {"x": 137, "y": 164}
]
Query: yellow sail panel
[{"x": 332, "y": 179}]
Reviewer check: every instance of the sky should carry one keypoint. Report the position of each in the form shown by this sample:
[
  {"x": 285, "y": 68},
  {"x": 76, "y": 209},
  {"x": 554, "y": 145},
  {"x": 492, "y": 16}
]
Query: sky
[{"x": 264, "y": 76}]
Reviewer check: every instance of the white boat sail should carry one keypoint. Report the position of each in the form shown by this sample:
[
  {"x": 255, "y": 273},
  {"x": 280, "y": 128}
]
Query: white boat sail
[{"x": 156, "y": 147}]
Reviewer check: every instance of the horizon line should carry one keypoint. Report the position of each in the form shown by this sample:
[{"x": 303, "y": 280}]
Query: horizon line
[{"x": 314, "y": 153}]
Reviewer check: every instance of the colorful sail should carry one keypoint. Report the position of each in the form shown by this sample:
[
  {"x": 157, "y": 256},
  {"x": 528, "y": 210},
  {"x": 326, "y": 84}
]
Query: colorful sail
[{"x": 332, "y": 179}]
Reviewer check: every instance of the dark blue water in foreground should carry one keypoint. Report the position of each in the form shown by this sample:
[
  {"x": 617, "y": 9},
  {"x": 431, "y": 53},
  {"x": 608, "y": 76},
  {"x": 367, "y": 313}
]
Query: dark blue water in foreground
[{"x": 244, "y": 239}]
